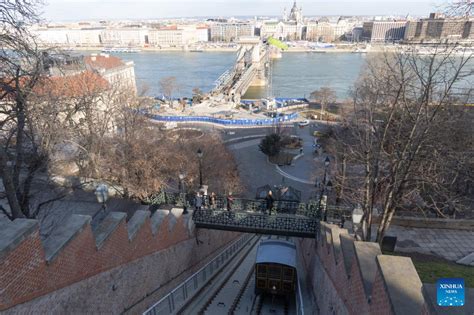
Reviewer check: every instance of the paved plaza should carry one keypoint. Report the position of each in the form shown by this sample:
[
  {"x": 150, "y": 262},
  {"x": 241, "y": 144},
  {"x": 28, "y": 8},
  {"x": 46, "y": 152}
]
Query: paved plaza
[
  {"x": 449, "y": 244},
  {"x": 256, "y": 171}
]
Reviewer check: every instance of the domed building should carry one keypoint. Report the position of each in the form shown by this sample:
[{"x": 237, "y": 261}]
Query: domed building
[
  {"x": 291, "y": 28},
  {"x": 296, "y": 14}
]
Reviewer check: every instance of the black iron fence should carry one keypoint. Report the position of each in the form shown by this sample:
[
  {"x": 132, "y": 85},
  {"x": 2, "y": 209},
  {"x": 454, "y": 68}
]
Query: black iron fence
[
  {"x": 309, "y": 209},
  {"x": 284, "y": 224}
]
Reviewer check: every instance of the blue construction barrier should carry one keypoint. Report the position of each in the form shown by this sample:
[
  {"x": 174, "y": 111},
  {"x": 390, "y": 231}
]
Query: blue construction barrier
[
  {"x": 226, "y": 122},
  {"x": 288, "y": 99},
  {"x": 278, "y": 100}
]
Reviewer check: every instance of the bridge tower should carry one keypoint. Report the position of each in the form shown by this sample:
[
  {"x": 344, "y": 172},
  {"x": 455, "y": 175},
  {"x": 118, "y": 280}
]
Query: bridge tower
[
  {"x": 260, "y": 60},
  {"x": 250, "y": 69},
  {"x": 259, "y": 55}
]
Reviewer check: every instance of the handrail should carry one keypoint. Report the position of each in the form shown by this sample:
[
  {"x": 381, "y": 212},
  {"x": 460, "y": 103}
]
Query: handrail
[
  {"x": 168, "y": 304},
  {"x": 287, "y": 224},
  {"x": 309, "y": 209},
  {"x": 299, "y": 300}
]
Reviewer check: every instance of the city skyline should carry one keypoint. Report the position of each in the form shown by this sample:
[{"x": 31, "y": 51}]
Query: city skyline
[{"x": 72, "y": 10}]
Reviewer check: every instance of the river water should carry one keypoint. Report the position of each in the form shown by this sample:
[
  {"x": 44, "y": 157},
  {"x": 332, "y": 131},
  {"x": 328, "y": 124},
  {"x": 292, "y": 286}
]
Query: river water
[{"x": 294, "y": 75}]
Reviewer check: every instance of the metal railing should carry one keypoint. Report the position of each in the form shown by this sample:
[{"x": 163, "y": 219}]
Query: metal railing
[
  {"x": 174, "y": 300},
  {"x": 280, "y": 224},
  {"x": 299, "y": 299},
  {"x": 309, "y": 209}
]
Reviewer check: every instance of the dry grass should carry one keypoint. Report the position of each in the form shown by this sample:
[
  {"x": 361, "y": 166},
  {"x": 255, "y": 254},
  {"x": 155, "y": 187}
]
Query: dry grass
[{"x": 431, "y": 268}]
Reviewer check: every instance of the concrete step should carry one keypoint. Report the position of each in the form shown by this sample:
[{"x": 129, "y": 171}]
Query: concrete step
[{"x": 468, "y": 260}]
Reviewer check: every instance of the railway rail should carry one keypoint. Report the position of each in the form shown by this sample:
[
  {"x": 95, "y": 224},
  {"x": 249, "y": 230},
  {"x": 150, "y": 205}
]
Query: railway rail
[
  {"x": 226, "y": 285},
  {"x": 233, "y": 293}
]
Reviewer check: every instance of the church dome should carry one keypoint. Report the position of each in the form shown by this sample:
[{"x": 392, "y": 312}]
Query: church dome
[{"x": 295, "y": 14}]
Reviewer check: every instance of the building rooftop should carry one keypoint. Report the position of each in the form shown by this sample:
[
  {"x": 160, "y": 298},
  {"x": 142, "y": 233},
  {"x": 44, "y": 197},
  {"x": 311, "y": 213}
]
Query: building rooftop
[
  {"x": 72, "y": 85},
  {"x": 103, "y": 61},
  {"x": 276, "y": 251}
]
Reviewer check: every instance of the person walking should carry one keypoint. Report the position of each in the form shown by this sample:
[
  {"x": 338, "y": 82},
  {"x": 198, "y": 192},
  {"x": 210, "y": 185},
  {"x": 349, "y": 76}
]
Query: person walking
[
  {"x": 198, "y": 201},
  {"x": 213, "y": 201},
  {"x": 269, "y": 200},
  {"x": 230, "y": 200}
]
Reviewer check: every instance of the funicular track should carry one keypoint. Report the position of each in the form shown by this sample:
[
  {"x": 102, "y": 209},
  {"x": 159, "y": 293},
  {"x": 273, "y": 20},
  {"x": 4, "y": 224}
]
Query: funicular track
[
  {"x": 234, "y": 292},
  {"x": 223, "y": 295}
]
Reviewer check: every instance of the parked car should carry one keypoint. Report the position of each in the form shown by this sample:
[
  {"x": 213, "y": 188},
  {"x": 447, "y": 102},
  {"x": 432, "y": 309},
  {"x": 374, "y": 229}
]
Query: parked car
[{"x": 304, "y": 123}]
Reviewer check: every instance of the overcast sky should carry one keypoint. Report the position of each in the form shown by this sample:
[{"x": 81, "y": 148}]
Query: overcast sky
[{"x": 63, "y": 10}]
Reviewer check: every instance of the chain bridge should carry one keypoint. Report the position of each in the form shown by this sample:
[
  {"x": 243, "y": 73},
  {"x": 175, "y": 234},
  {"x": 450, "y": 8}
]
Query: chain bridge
[
  {"x": 287, "y": 218},
  {"x": 250, "y": 69}
]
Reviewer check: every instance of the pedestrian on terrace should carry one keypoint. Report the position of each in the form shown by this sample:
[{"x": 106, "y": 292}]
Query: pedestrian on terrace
[
  {"x": 230, "y": 200},
  {"x": 269, "y": 200},
  {"x": 213, "y": 200},
  {"x": 198, "y": 201}
]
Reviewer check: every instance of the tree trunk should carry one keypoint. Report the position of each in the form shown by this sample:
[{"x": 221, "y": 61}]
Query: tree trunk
[
  {"x": 20, "y": 128},
  {"x": 8, "y": 184},
  {"x": 340, "y": 192}
]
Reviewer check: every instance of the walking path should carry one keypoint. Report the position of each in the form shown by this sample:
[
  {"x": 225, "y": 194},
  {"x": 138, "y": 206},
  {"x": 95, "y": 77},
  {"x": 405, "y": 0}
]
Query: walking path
[
  {"x": 307, "y": 168},
  {"x": 245, "y": 144},
  {"x": 256, "y": 171},
  {"x": 296, "y": 179},
  {"x": 450, "y": 244}
]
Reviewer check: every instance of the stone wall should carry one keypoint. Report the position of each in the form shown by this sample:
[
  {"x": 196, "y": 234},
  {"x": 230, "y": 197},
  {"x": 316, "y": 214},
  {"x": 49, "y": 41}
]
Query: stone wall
[
  {"x": 352, "y": 277},
  {"x": 111, "y": 270}
]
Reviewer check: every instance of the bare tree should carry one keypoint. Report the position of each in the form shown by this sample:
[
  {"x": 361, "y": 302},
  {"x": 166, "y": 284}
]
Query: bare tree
[
  {"x": 198, "y": 95},
  {"x": 399, "y": 104},
  {"x": 143, "y": 160},
  {"x": 460, "y": 8},
  {"x": 117, "y": 143},
  {"x": 168, "y": 85},
  {"x": 21, "y": 152},
  {"x": 324, "y": 96}
]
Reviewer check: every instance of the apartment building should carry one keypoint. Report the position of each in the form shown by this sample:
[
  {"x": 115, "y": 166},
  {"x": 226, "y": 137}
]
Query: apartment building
[
  {"x": 230, "y": 31},
  {"x": 437, "y": 27},
  {"x": 384, "y": 31}
]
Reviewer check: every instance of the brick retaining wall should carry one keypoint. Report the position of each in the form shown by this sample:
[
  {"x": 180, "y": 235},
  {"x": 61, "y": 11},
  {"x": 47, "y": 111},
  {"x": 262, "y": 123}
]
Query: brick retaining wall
[
  {"x": 352, "y": 277},
  {"x": 78, "y": 273}
]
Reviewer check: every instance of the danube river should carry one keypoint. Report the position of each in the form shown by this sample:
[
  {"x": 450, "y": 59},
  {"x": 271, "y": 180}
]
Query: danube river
[{"x": 295, "y": 75}]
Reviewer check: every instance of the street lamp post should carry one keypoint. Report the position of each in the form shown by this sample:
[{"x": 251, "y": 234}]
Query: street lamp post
[
  {"x": 327, "y": 161},
  {"x": 357, "y": 214},
  {"x": 200, "y": 154},
  {"x": 182, "y": 192},
  {"x": 102, "y": 195},
  {"x": 327, "y": 189},
  {"x": 322, "y": 196}
]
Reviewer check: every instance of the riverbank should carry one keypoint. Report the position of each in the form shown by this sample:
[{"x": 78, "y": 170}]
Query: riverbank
[
  {"x": 344, "y": 50},
  {"x": 156, "y": 49},
  {"x": 336, "y": 49}
]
